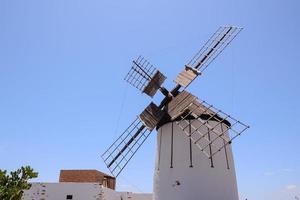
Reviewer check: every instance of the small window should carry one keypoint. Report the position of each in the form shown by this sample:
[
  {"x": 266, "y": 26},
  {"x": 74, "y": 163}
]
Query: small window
[{"x": 69, "y": 196}]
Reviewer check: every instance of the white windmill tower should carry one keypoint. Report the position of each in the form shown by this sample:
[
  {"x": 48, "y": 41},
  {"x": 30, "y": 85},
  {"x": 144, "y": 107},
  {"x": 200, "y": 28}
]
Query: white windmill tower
[{"x": 193, "y": 154}]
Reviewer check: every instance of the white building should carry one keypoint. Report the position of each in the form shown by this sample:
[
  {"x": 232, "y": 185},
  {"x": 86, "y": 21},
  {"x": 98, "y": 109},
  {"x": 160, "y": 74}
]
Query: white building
[
  {"x": 78, "y": 185},
  {"x": 78, "y": 191}
]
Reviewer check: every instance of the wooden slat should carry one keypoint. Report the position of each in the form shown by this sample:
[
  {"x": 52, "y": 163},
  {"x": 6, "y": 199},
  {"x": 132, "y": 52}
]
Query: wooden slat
[
  {"x": 199, "y": 109},
  {"x": 186, "y": 76},
  {"x": 179, "y": 104},
  {"x": 154, "y": 84},
  {"x": 186, "y": 101},
  {"x": 151, "y": 116}
]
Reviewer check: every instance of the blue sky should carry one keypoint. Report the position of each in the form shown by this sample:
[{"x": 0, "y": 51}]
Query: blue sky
[{"x": 63, "y": 98}]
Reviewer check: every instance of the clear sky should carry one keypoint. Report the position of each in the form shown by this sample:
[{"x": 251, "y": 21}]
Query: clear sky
[{"x": 63, "y": 98}]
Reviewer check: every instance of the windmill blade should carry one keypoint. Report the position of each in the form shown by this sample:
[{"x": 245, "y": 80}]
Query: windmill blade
[
  {"x": 214, "y": 46},
  {"x": 145, "y": 77},
  {"x": 117, "y": 156},
  {"x": 207, "y": 54},
  {"x": 208, "y": 127},
  {"x": 151, "y": 116}
]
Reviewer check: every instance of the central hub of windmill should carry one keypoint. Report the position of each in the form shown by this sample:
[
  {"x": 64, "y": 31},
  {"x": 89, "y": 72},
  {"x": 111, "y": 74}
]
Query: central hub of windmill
[{"x": 193, "y": 155}]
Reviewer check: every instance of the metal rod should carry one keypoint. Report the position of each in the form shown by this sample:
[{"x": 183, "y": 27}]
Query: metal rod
[
  {"x": 133, "y": 154},
  {"x": 202, "y": 149},
  {"x": 211, "y": 50},
  {"x": 128, "y": 143},
  {"x": 159, "y": 150},
  {"x": 148, "y": 76},
  {"x": 230, "y": 140},
  {"x": 133, "y": 126},
  {"x": 190, "y": 140},
  {"x": 172, "y": 147},
  {"x": 129, "y": 150},
  {"x": 210, "y": 150},
  {"x": 192, "y": 61}
]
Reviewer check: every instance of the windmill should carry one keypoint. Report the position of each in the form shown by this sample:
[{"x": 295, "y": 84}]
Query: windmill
[{"x": 193, "y": 154}]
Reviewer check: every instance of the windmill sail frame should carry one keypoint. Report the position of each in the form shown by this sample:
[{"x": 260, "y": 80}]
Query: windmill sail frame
[
  {"x": 226, "y": 127},
  {"x": 117, "y": 156},
  {"x": 177, "y": 105}
]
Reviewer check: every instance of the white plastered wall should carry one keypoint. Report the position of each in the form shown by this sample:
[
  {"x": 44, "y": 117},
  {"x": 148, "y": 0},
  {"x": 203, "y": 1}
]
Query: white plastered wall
[
  {"x": 79, "y": 191},
  {"x": 176, "y": 179}
]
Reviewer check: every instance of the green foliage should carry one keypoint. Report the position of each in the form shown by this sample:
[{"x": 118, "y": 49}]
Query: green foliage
[{"x": 13, "y": 184}]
